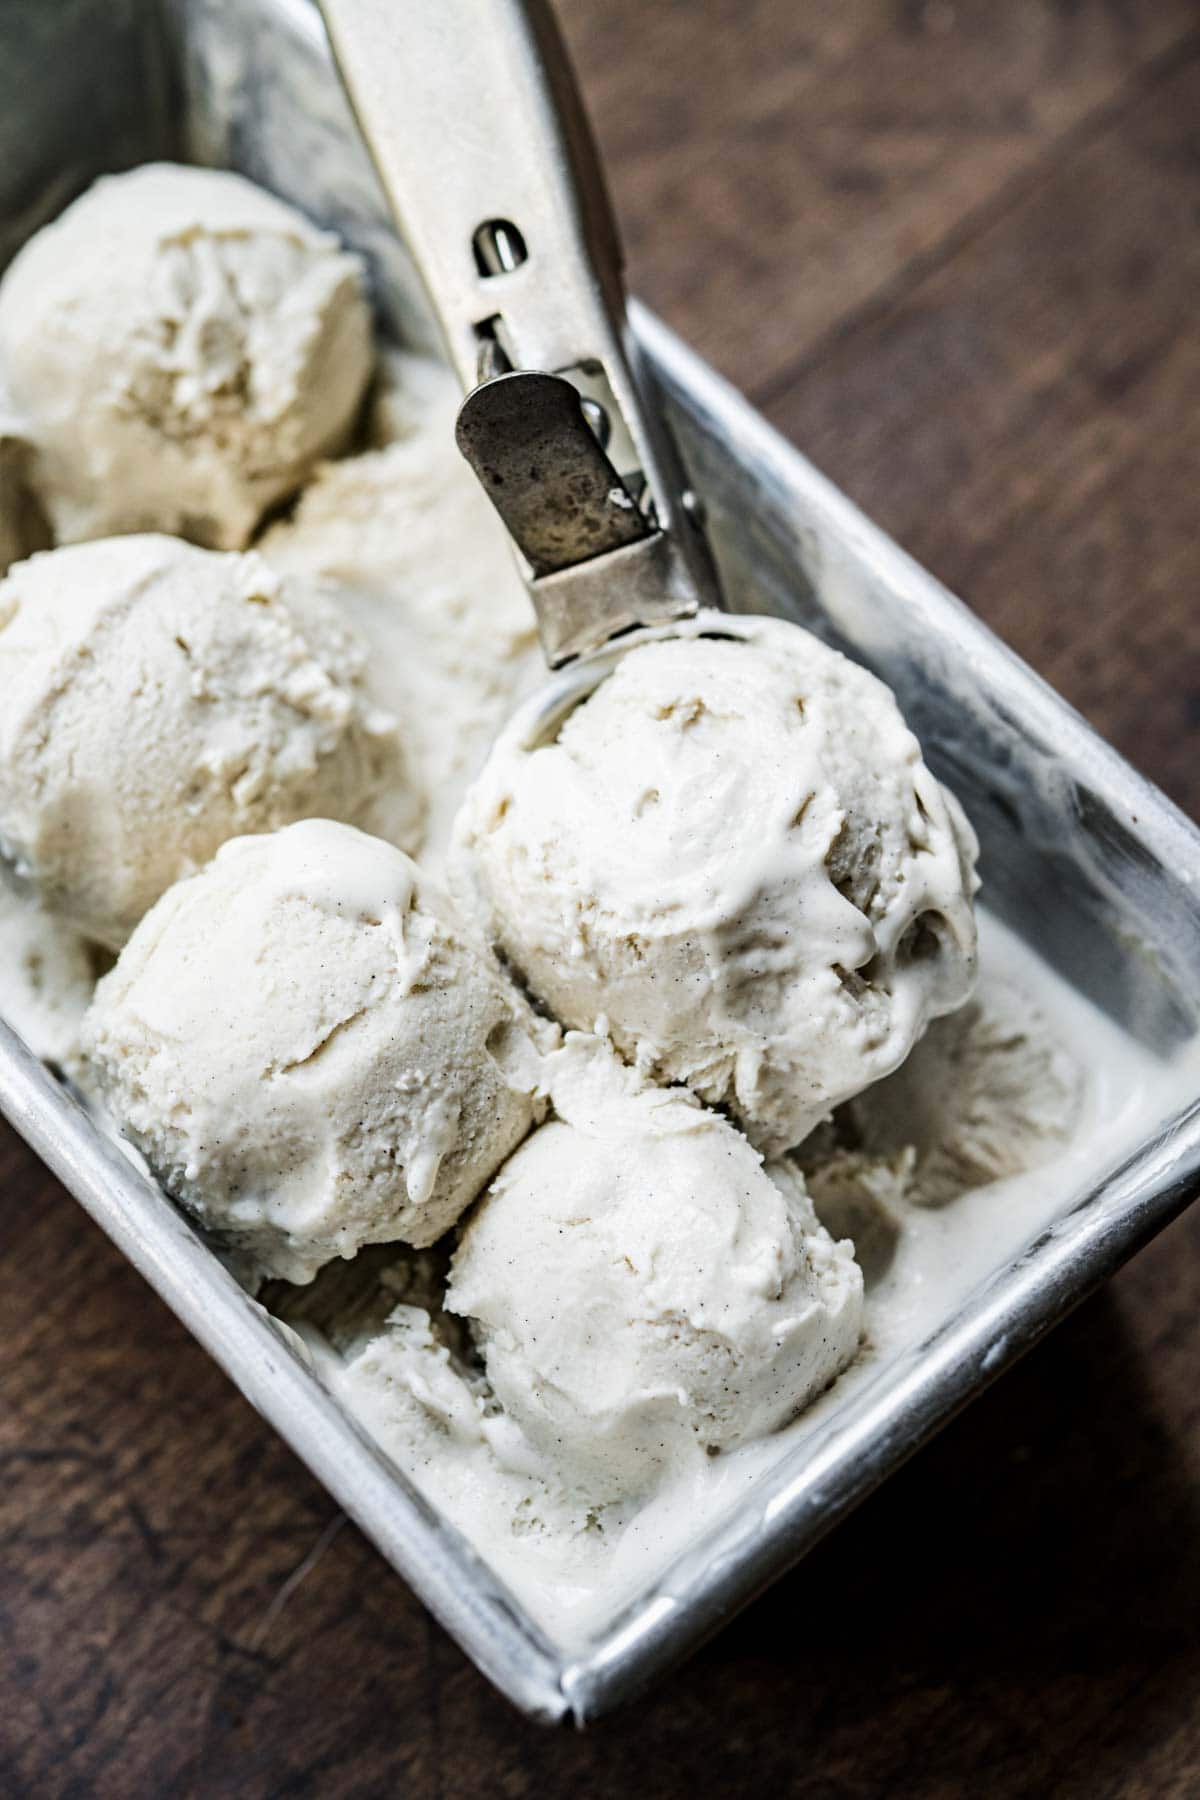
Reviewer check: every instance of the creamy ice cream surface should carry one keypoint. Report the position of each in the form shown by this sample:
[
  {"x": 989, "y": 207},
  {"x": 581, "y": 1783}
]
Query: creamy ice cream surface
[
  {"x": 731, "y": 858},
  {"x": 641, "y": 1287},
  {"x": 575, "y": 1561},
  {"x": 424, "y": 570},
  {"x": 181, "y": 347},
  {"x": 47, "y": 972},
  {"x": 159, "y": 699},
  {"x": 310, "y": 1051},
  {"x": 407, "y": 1385},
  {"x": 989, "y": 1092}
]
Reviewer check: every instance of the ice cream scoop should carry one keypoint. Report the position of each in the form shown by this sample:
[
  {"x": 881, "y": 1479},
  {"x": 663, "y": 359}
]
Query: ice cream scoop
[
  {"x": 310, "y": 1051},
  {"x": 181, "y": 347},
  {"x": 726, "y": 852},
  {"x": 642, "y": 1287},
  {"x": 158, "y": 699},
  {"x": 489, "y": 169},
  {"x": 730, "y": 855}
]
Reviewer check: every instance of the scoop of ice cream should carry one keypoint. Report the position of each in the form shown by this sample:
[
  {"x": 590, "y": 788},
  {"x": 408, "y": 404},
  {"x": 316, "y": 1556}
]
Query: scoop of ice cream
[
  {"x": 182, "y": 346},
  {"x": 642, "y": 1287},
  {"x": 158, "y": 699},
  {"x": 733, "y": 859},
  {"x": 310, "y": 1052},
  {"x": 425, "y": 571}
]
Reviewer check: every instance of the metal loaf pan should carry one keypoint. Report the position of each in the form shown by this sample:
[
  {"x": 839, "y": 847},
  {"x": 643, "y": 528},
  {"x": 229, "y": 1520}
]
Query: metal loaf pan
[{"x": 1087, "y": 861}]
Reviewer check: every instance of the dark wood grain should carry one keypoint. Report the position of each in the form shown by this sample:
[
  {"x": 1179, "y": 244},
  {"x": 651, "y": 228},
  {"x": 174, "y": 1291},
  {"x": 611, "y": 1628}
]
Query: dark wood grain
[
  {"x": 1026, "y": 419},
  {"x": 780, "y": 165},
  {"x": 953, "y": 249}
]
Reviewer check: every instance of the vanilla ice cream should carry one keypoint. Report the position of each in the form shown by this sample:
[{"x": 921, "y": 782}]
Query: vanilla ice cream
[
  {"x": 181, "y": 347},
  {"x": 158, "y": 699},
  {"x": 640, "y": 1286},
  {"x": 989, "y": 1093},
  {"x": 310, "y": 1052},
  {"x": 383, "y": 1345},
  {"x": 47, "y": 972},
  {"x": 732, "y": 858},
  {"x": 425, "y": 571}
]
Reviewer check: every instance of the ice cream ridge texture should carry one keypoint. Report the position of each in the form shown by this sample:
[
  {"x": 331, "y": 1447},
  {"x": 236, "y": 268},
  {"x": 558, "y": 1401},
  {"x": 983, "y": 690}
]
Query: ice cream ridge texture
[
  {"x": 181, "y": 347},
  {"x": 731, "y": 859},
  {"x": 159, "y": 699},
  {"x": 642, "y": 1287},
  {"x": 311, "y": 1052}
]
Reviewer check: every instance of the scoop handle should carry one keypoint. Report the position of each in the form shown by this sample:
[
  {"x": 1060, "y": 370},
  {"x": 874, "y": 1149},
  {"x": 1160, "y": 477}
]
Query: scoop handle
[{"x": 471, "y": 113}]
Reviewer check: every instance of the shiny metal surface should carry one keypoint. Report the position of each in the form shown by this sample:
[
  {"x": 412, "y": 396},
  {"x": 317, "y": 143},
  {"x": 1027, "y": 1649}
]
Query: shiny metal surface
[
  {"x": 484, "y": 152},
  {"x": 544, "y": 469},
  {"x": 599, "y": 566},
  {"x": 1086, "y": 860}
]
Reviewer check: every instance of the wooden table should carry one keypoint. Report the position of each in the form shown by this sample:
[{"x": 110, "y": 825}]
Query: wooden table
[{"x": 952, "y": 247}]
